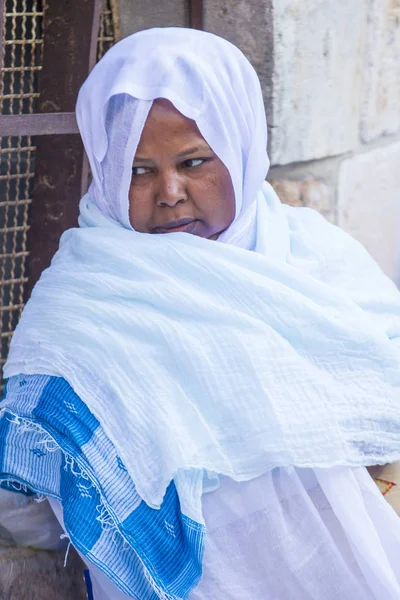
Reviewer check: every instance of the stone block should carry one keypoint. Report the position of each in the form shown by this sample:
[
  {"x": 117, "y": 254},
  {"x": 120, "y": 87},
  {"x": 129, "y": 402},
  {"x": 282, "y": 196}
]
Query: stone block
[
  {"x": 141, "y": 14},
  {"x": 319, "y": 49},
  {"x": 369, "y": 203},
  {"x": 381, "y": 88},
  {"x": 308, "y": 192},
  {"x": 289, "y": 192},
  {"x": 27, "y": 574}
]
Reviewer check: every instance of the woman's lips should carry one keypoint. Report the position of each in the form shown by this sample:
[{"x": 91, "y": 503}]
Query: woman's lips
[{"x": 185, "y": 225}]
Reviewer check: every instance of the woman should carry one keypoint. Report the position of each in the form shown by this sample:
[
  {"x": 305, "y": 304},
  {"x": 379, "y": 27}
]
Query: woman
[{"x": 200, "y": 408}]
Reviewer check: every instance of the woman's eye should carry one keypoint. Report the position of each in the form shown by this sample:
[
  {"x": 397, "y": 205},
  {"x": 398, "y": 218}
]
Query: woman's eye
[
  {"x": 140, "y": 170},
  {"x": 193, "y": 162}
]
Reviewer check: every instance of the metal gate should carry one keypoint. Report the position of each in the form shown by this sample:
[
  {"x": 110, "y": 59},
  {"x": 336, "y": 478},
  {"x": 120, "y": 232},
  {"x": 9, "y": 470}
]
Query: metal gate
[
  {"x": 43, "y": 168},
  {"x": 24, "y": 157}
]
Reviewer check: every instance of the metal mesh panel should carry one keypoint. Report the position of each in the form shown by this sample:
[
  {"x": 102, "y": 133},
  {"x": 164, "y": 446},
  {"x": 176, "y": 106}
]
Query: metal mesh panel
[
  {"x": 21, "y": 64},
  {"x": 106, "y": 33}
]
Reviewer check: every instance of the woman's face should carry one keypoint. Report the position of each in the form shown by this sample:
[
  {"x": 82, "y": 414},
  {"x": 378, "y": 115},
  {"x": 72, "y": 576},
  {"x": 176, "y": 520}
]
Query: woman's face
[{"x": 178, "y": 183}]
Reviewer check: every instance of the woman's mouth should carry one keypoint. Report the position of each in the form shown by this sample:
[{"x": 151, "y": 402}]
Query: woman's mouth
[{"x": 184, "y": 225}]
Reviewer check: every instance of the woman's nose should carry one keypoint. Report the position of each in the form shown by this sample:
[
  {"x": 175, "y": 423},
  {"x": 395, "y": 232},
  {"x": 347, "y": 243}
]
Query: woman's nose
[{"x": 171, "y": 189}]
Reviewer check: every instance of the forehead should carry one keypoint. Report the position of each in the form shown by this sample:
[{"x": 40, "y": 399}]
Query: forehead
[{"x": 166, "y": 125}]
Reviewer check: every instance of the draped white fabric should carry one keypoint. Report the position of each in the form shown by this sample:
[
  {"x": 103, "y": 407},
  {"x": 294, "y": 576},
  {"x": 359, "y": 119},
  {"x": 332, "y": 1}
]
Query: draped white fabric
[
  {"x": 321, "y": 534},
  {"x": 197, "y": 355},
  {"x": 290, "y": 534}
]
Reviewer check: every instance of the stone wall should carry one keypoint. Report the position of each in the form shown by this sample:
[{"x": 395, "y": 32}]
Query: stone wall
[
  {"x": 27, "y": 574},
  {"x": 331, "y": 72}
]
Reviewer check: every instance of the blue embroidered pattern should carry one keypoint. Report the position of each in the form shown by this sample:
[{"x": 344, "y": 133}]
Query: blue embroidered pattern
[
  {"x": 120, "y": 464},
  {"x": 37, "y": 452},
  {"x": 65, "y": 453}
]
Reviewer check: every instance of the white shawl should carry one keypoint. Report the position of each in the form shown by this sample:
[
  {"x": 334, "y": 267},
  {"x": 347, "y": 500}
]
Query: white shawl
[{"x": 201, "y": 357}]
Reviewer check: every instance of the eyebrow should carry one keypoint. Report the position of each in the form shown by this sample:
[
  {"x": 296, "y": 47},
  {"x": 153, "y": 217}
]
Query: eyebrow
[
  {"x": 187, "y": 152},
  {"x": 180, "y": 155}
]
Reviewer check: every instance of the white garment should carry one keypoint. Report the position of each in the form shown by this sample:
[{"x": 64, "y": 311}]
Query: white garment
[
  {"x": 286, "y": 355},
  {"x": 218, "y": 358},
  {"x": 208, "y": 79},
  {"x": 289, "y": 535},
  {"x": 241, "y": 342}
]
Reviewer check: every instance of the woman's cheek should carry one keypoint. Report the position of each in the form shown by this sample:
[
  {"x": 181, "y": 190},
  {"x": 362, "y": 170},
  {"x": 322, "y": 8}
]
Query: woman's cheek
[{"x": 140, "y": 208}]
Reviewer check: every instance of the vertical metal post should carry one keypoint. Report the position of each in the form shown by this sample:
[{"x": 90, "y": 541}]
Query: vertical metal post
[
  {"x": 115, "y": 20},
  {"x": 94, "y": 33},
  {"x": 196, "y": 17},
  {"x": 2, "y": 17},
  {"x": 70, "y": 38}
]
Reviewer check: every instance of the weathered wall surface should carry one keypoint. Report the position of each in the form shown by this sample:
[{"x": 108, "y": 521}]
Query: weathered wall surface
[
  {"x": 369, "y": 201},
  {"x": 141, "y": 14},
  {"x": 336, "y": 114},
  {"x": 249, "y": 25},
  {"x": 381, "y": 80},
  {"x": 27, "y": 574},
  {"x": 318, "y": 54}
]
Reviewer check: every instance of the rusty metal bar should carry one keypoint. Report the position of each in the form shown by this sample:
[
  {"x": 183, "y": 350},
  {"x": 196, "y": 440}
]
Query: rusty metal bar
[
  {"x": 11, "y": 308},
  {"x": 20, "y": 148},
  {"x": 20, "y": 69},
  {"x": 196, "y": 16},
  {"x": 38, "y": 124},
  {"x": 13, "y": 254},
  {"x": 24, "y": 14},
  {"x": 14, "y": 281},
  {"x": 11, "y": 176},
  {"x": 115, "y": 20},
  {"x": 20, "y": 95},
  {"x": 70, "y": 40},
  {"x": 32, "y": 41}
]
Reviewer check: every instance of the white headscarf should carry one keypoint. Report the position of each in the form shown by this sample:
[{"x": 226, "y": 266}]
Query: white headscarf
[{"x": 208, "y": 80}]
